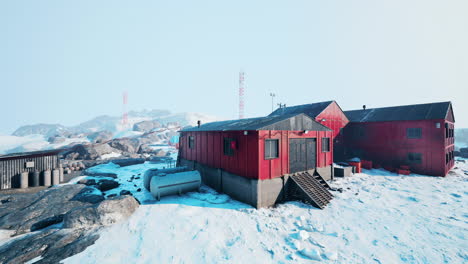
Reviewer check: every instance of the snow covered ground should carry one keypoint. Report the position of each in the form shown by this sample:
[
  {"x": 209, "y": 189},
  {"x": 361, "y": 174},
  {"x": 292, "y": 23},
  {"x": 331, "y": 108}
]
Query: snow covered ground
[{"x": 379, "y": 218}]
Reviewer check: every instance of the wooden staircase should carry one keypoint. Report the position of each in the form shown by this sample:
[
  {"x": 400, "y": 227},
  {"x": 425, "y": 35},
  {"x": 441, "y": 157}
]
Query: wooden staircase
[{"x": 311, "y": 189}]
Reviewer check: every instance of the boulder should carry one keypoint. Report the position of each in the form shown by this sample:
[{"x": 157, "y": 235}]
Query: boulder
[
  {"x": 128, "y": 162},
  {"x": 99, "y": 174},
  {"x": 105, "y": 185},
  {"x": 103, "y": 214},
  {"x": 101, "y": 136},
  {"x": 89, "y": 152},
  {"x": 125, "y": 145},
  {"x": 145, "y": 149},
  {"x": 146, "y": 126}
]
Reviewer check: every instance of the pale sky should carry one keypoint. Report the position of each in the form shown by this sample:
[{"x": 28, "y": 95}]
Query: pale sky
[{"x": 68, "y": 61}]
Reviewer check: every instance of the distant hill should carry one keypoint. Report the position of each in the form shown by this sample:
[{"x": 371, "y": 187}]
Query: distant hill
[{"x": 113, "y": 123}]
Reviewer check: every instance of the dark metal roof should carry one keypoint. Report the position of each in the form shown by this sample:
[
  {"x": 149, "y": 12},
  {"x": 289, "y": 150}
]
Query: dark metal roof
[
  {"x": 293, "y": 122},
  {"x": 30, "y": 154},
  {"x": 400, "y": 113},
  {"x": 312, "y": 110}
]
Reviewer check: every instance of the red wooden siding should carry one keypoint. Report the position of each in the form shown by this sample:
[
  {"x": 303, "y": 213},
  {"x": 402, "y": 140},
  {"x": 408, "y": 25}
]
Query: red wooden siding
[
  {"x": 387, "y": 143},
  {"x": 249, "y": 156},
  {"x": 334, "y": 117}
]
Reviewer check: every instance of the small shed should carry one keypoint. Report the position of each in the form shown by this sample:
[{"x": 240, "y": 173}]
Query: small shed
[
  {"x": 249, "y": 158},
  {"x": 13, "y": 165}
]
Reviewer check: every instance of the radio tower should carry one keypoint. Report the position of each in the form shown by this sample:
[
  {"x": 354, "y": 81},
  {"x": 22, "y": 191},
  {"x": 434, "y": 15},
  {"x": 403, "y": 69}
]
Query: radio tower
[
  {"x": 125, "y": 114},
  {"x": 241, "y": 95}
]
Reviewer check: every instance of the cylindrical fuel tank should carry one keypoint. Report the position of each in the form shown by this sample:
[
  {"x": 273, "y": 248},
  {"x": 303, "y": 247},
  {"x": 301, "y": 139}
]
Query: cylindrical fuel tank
[
  {"x": 152, "y": 172},
  {"x": 55, "y": 177},
  {"x": 34, "y": 179},
  {"x": 175, "y": 183},
  {"x": 24, "y": 179},
  {"x": 46, "y": 178}
]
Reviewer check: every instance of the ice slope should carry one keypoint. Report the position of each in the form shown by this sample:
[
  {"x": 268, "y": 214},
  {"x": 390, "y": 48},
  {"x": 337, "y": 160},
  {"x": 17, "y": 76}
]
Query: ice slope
[{"x": 379, "y": 218}]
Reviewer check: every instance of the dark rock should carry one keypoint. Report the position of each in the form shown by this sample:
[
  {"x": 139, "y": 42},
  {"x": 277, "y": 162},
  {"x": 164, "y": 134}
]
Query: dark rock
[
  {"x": 87, "y": 182},
  {"x": 100, "y": 174},
  {"x": 53, "y": 245},
  {"x": 125, "y": 192},
  {"x": 128, "y": 162},
  {"x": 139, "y": 190},
  {"x": 111, "y": 195},
  {"x": 25, "y": 210},
  {"x": 105, "y": 185},
  {"x": 105, "y": 213},
  {"x": 47, "y": 222},
  {"x": 137, "y": 178}
]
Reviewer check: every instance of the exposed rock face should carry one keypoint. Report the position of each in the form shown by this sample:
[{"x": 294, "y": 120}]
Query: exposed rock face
[
  {"x": 53, "y": 245},
  {"x": 125, "y": 145},
  {"x": 146, "y": 126},
  {"x": 23, "y": 211},
  {"x": 100, "y": 137},
  {"x": 105, "y": 213},
  {"x": 80, "y": 211},
  {"x": 89, "y": 152}
]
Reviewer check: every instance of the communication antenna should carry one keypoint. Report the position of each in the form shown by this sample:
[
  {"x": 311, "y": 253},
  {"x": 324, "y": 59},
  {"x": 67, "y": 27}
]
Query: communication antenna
[
  {"x": 125, "y": 114},
  {"x": 272, "y": 102},
  {"x": 241, "y": 94}
]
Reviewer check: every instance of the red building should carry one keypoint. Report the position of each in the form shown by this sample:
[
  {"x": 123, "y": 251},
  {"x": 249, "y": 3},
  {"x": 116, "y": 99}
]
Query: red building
[
  {"x": 419, "y": 136},
  {"x": 327, "y": 113},
  {"x": 250, "y": 159}
]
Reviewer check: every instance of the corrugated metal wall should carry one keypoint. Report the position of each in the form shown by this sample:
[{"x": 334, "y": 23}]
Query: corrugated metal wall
[{"x": 10, "y": 169}]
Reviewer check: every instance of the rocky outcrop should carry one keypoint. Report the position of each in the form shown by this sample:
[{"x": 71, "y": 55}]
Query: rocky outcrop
[
  {"x": 89, "y": 152},
  {"x": 66, "y": 220},
  {"x": 48, "y": 130},
  {"x": 23, "y": 211},
  {"x": 105, "y": 213},
  {"x": 100, "y": 137},
  {"x": 125, "y": 144},
  {"x": 146, "y": 126}
]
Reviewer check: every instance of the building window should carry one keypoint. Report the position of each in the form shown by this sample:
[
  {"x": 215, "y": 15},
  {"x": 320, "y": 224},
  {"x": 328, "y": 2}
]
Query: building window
[
  {"x": 414, "y": 158},
  {"x": 437, "y": 125},
  {"x": 446, "y": 130},
  {"x": 415, "y": 132},
  {"x": 271, "y": 148},
  {"x": 325, "y": 144},
  {"x": 191, "y": 142},
  {"x": 228, "y": 146},
  {"x": 446, "y": 158}
]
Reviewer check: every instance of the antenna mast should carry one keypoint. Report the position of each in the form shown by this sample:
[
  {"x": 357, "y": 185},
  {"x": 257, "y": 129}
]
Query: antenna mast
[{"x": 241, "y": 94}]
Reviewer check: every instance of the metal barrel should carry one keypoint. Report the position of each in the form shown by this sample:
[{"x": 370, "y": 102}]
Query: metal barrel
[
  {"x": 61, "y": 174},
  {"x": 55, "y": 177},
  {"x": 24, "y": 179},
  {"x": 34, "y": 179},
  {"x": 46, "y": 178}
]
